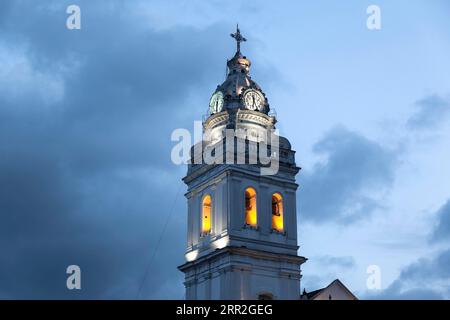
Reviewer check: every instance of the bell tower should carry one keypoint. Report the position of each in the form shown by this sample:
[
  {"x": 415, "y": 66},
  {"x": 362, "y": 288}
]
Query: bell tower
[{"x": 242, "y": 221}]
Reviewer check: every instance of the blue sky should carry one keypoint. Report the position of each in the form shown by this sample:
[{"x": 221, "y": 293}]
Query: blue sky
[{"x": 86, "y": 117}]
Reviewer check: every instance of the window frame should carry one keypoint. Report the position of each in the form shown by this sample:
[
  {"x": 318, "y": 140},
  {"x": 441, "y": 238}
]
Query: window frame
[
  {"x": 249, "y": 225},
  {"x": 202, "y": 215},
  {"x": 281, "y": 201}
]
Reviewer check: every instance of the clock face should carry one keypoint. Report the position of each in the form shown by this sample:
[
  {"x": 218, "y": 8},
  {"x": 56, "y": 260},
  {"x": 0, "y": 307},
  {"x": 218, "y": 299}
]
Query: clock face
[
  {"x": 216, "y": 102},
  {"x": 253, "y": 100}
]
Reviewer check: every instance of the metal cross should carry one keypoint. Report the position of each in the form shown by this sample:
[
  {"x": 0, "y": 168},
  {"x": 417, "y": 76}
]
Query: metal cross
[{"x": 239, "y": 38}]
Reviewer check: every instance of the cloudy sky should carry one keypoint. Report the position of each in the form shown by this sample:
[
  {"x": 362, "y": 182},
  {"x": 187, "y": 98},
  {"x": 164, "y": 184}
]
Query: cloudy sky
[{"x": 86, "y": 117}]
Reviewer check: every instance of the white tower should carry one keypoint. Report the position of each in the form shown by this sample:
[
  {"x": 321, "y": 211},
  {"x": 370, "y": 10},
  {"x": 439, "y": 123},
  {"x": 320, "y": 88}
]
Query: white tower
[{"x": 242, "y": 225}]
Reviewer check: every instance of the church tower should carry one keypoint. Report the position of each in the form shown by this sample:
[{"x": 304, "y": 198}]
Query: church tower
[{"x": 242, "y": 221}]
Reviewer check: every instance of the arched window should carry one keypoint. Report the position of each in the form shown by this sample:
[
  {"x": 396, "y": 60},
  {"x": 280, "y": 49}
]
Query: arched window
[
  {"x": 251, "y": 217},
  {"x": 277, "y": 212},
  {"x": 206, "y": 214}
]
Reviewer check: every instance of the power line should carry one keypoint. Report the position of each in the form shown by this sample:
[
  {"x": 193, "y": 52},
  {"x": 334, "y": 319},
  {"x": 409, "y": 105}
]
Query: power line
[{"x": 158, "y": 243}]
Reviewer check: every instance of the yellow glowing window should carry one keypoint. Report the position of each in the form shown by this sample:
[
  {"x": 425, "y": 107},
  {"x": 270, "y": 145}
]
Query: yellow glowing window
[
  {"x": 277, "y": 212},
  {"x": 206, "y": 214},
  {"x": 250, "y": 207}
]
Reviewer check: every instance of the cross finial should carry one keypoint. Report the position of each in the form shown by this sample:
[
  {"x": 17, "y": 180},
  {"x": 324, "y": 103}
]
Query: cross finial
[{"x": 239, "y": 38}]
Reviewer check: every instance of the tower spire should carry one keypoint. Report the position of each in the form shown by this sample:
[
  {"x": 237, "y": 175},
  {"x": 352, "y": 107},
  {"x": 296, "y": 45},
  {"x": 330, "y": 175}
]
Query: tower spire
[{"x": 239, "y": 38}]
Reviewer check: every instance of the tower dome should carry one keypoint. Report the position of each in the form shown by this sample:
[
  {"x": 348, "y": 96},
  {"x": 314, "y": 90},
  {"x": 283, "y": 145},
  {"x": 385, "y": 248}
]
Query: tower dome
[{"x": 238, "y": 91}]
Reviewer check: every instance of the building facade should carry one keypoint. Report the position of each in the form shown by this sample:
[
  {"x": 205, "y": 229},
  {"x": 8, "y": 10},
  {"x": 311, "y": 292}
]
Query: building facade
[{"x": 242, "y": 220}]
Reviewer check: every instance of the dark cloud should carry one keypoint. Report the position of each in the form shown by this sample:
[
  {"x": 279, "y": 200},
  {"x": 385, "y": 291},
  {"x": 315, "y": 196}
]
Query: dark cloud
[
  {"x": 5, "y": 6},
  {"x": 343, "y": 188},
  {"x": 415, "y": 294},
  {"x": 311, "y": 282},
  {"x": 340, "y": 262},
  {"x": 427, "y": 278},
  {"x": 320, "y": 271},
  {"x": 442, "y": 230},
  {"x": 431, "y": 111},
  {"x": 423, "y": 279},
  {"x": 85, "y": 170}
]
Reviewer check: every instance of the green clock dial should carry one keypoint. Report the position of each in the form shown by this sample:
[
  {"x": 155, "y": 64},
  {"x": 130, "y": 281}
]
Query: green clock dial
[{"x": 216, "y": 102}]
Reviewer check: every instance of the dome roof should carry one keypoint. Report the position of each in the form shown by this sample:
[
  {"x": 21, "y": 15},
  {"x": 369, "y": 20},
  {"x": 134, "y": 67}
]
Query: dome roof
[
  {"x": 284, "y": 143},
  {"x": 238, "y": 81},
  {"x": 238, "y": 77}
]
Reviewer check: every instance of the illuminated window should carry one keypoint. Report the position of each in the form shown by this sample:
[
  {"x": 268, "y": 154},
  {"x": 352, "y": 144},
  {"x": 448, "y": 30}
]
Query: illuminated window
[
  {"x": 250, "y": 207},
  {"x": 206, "y": 214},
  {"x": 277, "y": 212}
]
